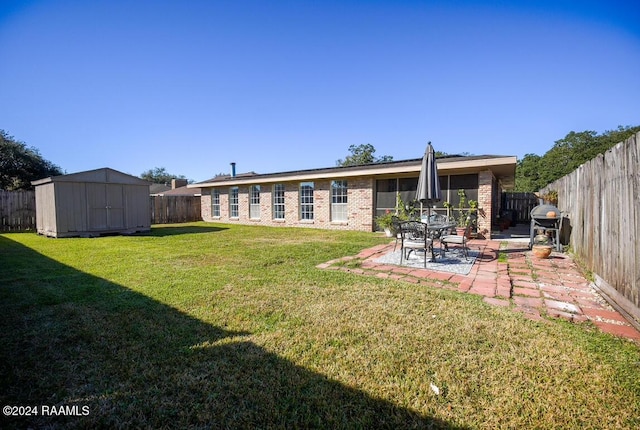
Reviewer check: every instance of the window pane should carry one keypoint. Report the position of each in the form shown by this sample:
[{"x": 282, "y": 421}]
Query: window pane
[
  {"x": 386, "y": 194},
  {"x": 254, "y": 201},
  {"x": 306, "y": 200},
  {"x": 408, "y": 187},
  {"x": 339, "y": 212},
  {"x": 339, "y": 192},
  {"x": 255, "y": 194},
  {"x": 469, "y": 183},
  {"x": 464, "y": 181},
  {"x": 339, "y": 201},
  {"x": 215, "y": 203},
  {"x": 278, "y": 201},
  {"x": 408, "y": 184},
  {"x": 233, "y": 202}
]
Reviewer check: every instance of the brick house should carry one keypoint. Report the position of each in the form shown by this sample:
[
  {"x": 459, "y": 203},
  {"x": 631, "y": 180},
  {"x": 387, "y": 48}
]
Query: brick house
[{"x": 349, "y": 198}]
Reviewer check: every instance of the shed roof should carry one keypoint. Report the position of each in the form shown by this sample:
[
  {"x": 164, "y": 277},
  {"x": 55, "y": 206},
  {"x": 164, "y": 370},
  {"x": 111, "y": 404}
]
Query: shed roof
[
  {"x": 181, "y": 191},
  {"x": 103, "y": 175},
  {"x": 158, "y": 188}
]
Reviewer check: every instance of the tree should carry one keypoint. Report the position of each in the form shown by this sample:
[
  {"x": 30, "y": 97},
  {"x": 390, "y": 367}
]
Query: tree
[
  {"x": 159, "y": 175},
  {"x": 19, "y": 164},
  {"x": 528, "y": 174},
  {"x": 362, "y": 154},
  {"x": 534, "y": 172}
]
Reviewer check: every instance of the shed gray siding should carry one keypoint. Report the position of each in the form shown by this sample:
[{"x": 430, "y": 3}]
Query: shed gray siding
[
  {"x": 45, "y": 208},
  {"x": 92, "y": 203}
]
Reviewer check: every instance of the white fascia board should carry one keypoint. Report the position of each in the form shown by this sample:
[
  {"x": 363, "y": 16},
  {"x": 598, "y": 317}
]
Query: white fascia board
[
  {"x": 485, "y": 162},
  {"x": 309, "y": 176},
  {"x": 371, "y": 171}
]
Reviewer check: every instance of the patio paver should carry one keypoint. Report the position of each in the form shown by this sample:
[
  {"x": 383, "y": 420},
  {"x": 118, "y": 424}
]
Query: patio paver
[{"x": 554, "y": 287}]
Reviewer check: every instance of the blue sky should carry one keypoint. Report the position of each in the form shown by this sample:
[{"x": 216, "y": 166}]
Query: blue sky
[{"x": 284, "y": 85}]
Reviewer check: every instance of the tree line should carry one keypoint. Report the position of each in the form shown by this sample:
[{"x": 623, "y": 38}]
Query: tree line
[
  {"x": 534, "y": 172},
  {"x": 20, "y": 164}
]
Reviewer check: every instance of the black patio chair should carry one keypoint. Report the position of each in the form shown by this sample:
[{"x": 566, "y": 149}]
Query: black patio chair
[
  {"x": 414, "y": 238},
  {"x": 395, "y": 230},
  {"x": 458, "y": 239}
]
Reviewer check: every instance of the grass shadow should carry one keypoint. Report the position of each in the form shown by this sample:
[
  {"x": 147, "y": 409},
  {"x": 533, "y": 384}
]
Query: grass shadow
[
  {"x": 118, "y": 359},
  {"x": 173, "y": 230}
]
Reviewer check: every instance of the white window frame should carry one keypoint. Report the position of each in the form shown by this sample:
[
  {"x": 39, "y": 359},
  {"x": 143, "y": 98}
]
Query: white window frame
[
  {"x": 234, "y": 202},
  {"x": 215, "y": 203},
  {"x": 254, "y": 202},
  {"x": 339, "y": 205},
  {"x": 278, "y": 201},
  {"x": 306, "y": 201}
]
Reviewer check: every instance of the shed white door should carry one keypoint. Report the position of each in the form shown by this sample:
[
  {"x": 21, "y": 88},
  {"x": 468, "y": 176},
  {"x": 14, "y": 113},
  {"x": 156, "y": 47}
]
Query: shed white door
[{"x": 106, "y": 206}]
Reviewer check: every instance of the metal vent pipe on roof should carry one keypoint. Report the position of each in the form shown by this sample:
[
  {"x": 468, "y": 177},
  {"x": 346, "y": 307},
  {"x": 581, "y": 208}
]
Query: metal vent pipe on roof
[{"x": 233, "y": 169}]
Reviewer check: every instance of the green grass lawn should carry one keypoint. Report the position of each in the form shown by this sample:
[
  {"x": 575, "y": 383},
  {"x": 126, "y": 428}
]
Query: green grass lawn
[{"x": 218, "y": 326}]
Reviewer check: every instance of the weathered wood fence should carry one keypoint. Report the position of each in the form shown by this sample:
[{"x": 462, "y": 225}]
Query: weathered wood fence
[
  {"x": 175, "y": 209},
  {"x": 601, "y": 200},
  {"x": 521, "y": 204},
  {"x": 17, "y": 210}
]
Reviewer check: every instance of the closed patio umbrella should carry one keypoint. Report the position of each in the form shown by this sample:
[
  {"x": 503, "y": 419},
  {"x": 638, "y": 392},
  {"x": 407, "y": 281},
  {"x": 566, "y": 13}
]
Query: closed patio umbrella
[{"x": 428, "y": 190}]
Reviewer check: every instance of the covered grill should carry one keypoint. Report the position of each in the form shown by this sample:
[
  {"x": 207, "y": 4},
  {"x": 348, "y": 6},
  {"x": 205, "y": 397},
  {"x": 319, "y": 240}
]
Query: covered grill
[{"x": 546, "y": 219}]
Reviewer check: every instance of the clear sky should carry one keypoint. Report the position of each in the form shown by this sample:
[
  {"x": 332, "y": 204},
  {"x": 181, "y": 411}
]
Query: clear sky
[{"x": 284, "y": 85}]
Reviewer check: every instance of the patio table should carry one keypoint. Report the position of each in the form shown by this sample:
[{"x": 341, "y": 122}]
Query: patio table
[{"x": 435, "y": 231}]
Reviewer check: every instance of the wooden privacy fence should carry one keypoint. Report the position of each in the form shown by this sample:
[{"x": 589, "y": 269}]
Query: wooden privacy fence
[
  {"x": 601, "y": 201},
  {"x": 17, "y": 210},
  {"x": 519, "y": 203},
  {"x": 175, "y": 209}
]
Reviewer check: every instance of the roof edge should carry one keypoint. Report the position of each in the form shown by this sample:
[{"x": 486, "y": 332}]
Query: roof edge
[
  {"x": 69, "y": 177},
  {"x": 390, "y": 167}
]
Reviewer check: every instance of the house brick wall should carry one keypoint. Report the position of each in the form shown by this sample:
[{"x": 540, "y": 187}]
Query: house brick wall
[
  {"x": 485, "y": 202},
  {"x": 205, "y": 204},
  {"x": 360, "y": 198},
  {"x": 359, "y": 206}
]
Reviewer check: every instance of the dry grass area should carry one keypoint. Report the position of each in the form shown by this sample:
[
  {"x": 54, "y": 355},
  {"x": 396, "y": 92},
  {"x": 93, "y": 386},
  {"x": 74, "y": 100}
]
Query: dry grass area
[{"x": 203, "y": 326}]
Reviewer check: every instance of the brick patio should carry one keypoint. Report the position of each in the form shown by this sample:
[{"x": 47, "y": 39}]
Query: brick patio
[{"x": 537, "y": 288}]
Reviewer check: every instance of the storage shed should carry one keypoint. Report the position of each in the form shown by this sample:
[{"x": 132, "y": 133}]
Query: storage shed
[{"x": 92, "y": 203}]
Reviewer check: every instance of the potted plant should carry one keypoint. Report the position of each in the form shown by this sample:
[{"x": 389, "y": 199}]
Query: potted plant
[
  {"x": 550, "y": 197},
  {"x": 465, "y": 215},
  {"x": 402, "y": 212},
  {"x": 385, "y": 222},
  {"x": 542, "y": 246}
]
